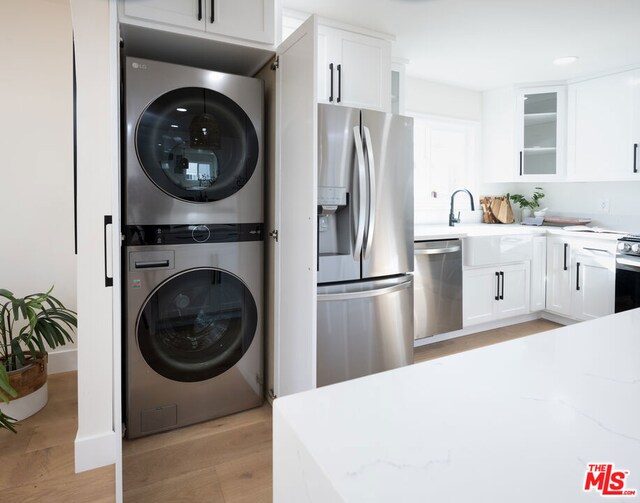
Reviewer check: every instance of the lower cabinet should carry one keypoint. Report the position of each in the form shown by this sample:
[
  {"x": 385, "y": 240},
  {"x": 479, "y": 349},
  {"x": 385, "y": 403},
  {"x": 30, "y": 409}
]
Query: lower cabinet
[
  {"x": 594, "y": 284},
  {"x": 580, "y": 277},
  {"x": 492, "y": 293}
]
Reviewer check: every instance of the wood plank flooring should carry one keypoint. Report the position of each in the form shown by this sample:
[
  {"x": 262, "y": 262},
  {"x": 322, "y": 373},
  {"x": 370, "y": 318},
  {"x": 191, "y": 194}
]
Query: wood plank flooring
[
  {"x": 226, "y": 460},
  {"x": 38, "y": 463}
]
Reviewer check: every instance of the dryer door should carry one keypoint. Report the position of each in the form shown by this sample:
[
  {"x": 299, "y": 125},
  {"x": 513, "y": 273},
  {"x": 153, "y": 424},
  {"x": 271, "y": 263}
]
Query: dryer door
[
  {"x": 197, "y": 325},
  {"x": 196, "y": 144}
]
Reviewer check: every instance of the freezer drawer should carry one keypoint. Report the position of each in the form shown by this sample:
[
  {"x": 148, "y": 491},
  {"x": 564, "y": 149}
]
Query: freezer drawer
[{"x": 364, "y": 328}]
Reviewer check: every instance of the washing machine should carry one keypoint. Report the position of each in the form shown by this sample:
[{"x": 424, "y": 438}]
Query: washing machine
[
  {"x": 194, "y": 145},
  {"x": 194, "y": 335}
]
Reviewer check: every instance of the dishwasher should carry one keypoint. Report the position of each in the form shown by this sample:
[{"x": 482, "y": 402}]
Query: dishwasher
[{"x": 437, "y": 287}]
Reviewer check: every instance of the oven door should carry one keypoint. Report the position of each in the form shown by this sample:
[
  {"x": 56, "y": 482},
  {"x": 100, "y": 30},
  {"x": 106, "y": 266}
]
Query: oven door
[{"x": 627, "y": 283}]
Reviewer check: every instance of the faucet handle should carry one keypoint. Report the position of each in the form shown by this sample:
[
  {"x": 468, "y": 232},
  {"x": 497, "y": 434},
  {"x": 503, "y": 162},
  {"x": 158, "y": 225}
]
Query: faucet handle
[{"x": 458, "y": 219}]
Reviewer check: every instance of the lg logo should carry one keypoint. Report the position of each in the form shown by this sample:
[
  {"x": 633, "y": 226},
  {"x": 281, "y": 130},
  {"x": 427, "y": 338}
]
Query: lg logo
[{"x": 139, "y": 66}]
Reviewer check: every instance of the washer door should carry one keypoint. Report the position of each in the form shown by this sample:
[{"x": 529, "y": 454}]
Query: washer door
[
  {"x": 196, "y": 144},
  {"x": 197, "y": 325}
]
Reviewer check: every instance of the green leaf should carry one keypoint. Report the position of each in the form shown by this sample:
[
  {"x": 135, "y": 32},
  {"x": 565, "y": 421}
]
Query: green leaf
[
  {"x": 6, "y": 294},
  {"x": 5, "y": 386},
  {"x": 6, "y": 422}
]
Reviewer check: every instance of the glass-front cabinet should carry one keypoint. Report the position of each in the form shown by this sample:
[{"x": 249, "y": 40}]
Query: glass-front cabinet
[{"x": 541, "y": 132}]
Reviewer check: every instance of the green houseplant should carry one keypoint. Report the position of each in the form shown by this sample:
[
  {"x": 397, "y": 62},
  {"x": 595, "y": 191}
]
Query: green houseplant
[
  {"x": 532, "y": 203},
  {"x": 28, "y": 326}
]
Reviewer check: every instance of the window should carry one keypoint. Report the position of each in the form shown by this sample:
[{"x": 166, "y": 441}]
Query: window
[{"x": 446, "y": 159}]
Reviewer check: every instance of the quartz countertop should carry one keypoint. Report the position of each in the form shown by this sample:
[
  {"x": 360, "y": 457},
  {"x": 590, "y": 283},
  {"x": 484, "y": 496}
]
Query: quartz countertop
[
  {"x": 516, "y": 421},
  {"x": 428, "y": 232}
]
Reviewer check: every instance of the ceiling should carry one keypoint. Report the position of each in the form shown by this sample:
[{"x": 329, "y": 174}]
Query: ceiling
[{"x": 484, "y": 44}]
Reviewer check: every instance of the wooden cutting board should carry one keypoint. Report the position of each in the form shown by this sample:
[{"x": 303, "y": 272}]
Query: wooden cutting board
[{"x": 496, "y": 210}]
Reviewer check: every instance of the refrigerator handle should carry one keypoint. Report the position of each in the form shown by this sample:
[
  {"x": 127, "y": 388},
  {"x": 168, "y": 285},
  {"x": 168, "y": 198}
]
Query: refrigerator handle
[
  {"x": 364, "y": 294},
  {"x": 371, "y": 171},
  {"x": 361, "y": 193}
]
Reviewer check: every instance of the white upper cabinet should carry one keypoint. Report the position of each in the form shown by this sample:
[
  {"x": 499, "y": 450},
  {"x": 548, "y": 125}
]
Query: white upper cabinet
[
  {"x": 251, "y": 20},
  {"x": 541, "y": 133},
  {"x": 498, "y": 135},
  {"x": 604, "y": 128},
  {"x": 354, "y": 69}
]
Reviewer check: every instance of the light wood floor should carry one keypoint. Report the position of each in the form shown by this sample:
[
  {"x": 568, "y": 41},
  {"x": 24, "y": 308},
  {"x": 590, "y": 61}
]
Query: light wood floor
[
  {"x": 227, "y": 460},
  {"x": 36, "y": 465}
]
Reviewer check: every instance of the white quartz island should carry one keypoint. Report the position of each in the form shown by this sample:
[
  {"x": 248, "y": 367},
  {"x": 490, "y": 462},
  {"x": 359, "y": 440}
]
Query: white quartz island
[{"x": 515, "y": 422}]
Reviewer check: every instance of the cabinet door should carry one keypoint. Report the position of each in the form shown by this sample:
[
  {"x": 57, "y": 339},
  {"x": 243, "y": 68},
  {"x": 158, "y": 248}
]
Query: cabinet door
[
  {"x": 604, "y": 128},
  {"x": 538, "y": 273},
  {"x": 541, "y": 132},
  {"x": 514, "y": 290},
  {"x": 593, "y": 275},
  {"x": 498, "y": 135},
  {"x": 558, "y": 276},
  {"x": 184, "y": 13},
  {"x": 294, "y": 258},
  {"x": 480, "y": 294},
  {"x": 361, "y": 74},
  {"x": 248, "y": 19}
]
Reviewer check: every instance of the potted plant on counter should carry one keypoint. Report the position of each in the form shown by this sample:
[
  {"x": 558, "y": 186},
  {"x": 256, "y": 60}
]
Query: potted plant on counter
[
  {"x": 528, "y": 205},
  {"x": 28, "y": 326}
]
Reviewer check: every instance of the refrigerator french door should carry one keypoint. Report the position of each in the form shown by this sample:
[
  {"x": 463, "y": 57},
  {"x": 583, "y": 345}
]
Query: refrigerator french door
[{"x": 365, "y": 240}]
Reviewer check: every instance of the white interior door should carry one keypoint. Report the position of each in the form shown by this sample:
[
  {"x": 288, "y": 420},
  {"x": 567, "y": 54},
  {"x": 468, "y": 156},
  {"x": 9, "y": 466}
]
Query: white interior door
[{"x": 295, "y": 213}]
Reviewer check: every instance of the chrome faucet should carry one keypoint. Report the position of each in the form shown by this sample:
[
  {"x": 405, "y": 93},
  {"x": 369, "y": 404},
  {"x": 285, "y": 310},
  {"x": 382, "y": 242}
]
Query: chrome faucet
[{"x": 452, "y": 218}]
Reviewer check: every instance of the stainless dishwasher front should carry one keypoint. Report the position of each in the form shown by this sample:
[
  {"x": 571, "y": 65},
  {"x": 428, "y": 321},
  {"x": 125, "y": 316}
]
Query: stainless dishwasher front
[{"x": 437, "y": 287}]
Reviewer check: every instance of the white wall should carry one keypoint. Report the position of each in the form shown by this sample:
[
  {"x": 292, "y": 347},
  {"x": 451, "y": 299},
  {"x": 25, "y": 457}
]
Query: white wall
[
  {"x": 580, "y": 199},
  {"x": 432, "y": 98},
  {"x": 36, "y": 171}
]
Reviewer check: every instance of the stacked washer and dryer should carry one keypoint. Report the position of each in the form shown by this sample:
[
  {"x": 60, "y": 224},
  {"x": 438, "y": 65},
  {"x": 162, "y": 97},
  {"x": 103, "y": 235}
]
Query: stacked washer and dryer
[{"x": 193, "y": 255}]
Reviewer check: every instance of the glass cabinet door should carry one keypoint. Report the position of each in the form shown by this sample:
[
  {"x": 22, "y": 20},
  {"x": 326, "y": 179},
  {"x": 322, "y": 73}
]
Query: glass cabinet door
[{"x": 541, "y": 131}]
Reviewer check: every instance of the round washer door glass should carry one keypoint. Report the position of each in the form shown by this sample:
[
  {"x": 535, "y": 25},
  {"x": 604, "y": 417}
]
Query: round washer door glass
[
  {"x": 197, "y": 325},
  {"x": 196, "y": 144}
]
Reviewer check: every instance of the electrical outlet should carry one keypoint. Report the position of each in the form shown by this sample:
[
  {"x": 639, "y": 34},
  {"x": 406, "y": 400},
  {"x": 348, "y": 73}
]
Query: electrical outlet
[{"x": 603, "y": 205}]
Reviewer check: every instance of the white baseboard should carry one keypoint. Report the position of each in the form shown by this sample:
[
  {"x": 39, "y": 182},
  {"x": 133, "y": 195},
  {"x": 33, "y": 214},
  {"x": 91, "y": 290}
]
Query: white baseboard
[
  {"x": 65, "y": 360},
  {"x": 556, "y": 318},
  {"x": 96, "y": 451},
  {"x": 495, "y": 324},
  {"x": 477, "y": 328}
]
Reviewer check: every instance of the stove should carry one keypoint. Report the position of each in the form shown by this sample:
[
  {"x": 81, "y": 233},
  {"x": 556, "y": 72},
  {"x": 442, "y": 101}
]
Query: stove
[
  {"x": 628, "y": 273},
  {"x": 629, "y": 245}
]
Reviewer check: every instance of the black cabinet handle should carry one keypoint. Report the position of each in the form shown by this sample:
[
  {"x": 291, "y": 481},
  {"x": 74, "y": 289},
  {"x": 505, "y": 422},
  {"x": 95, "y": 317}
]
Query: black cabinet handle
[
  {"x": 199, "y": 10},
  {"x": 521, "y": 163},
  {"x": 578, "y": 276},
  {"x": 108, "y": 281},
  {"x": 502, "y": 280},
  {"x": 635, "y": 157},
  {"x": 566, "y": 247},
  {"x": 331, "y": 82},
  {"x": 212, "y": 17},
  {"x": 339, "y": 84},
  {"x": 497, "y": 297}
]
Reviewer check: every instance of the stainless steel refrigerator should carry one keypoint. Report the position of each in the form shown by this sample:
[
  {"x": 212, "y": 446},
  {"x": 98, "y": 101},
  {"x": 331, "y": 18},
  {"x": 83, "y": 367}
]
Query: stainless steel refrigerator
[{"x": 365, "y": 242}]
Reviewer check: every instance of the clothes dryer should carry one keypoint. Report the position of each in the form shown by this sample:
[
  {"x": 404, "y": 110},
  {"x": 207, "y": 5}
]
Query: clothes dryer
[
  {"x": 194, "y": 145},
  {"x": 193, "y": 348}
]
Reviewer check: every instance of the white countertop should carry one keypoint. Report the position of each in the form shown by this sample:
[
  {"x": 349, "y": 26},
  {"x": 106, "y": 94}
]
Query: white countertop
[
  {"x": 515, "y": 422},
  {"x": 431, "y": 232}
]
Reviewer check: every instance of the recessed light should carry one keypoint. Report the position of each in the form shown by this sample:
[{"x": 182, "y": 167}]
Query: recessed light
[
  {"x": 174, "y": 125},
  {"x": 565, "y": 60},
  {"x": 180, "y": 109}
]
